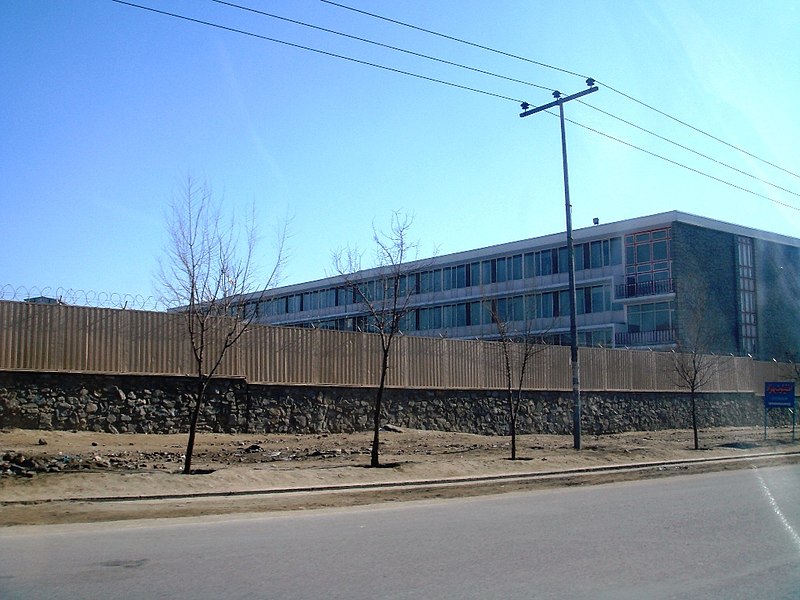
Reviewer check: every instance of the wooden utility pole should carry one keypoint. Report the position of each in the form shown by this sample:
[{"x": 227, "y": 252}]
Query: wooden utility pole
[{"x": 573, "y": 308}]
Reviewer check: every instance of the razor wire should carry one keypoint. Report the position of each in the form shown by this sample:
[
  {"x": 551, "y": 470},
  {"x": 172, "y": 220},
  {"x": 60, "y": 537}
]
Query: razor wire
[{"x": 77, "y": 297}]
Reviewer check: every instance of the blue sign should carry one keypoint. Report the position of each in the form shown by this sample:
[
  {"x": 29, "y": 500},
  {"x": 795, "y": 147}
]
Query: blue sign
[{"x": 779, "y": 394}]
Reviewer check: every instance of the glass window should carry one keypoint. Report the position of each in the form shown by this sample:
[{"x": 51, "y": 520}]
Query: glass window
[
  {"x": 516, "y": 312},
  {"x": 596, "y": 251},
  {"x": 475, "y": 313},
  {"x": 545, "y": 306},
  {"x": 598, "y": 298},
  {"x": 546, "y": 260},
  {"x": 583, "y": 301},
  {"x": 461, "y": 315},
  {"x": 447, "y": 278},
  {"x": 616, "y": 251},
  {"x": 563, "y": 302},
  {"x": 487, "y": 270},
  {"x": 578, "y": 253},
  {"x": 448, "y": 316},
  {"x": 648, "y": 320},
  {"x": 530, "y": 269},
  {"x": 660, "y": 250},
  {"x": 425, "y": 284},
  {"x": 643, "y": 253},
  {"x": 516, "y": 267},
  {"x": 563, "y": 260},
  {"x": 630, "y": 257},
  {"x": 501, "y": 308},
  {"x": 430, "y": 318},
  {"x": 460, "y": 273},
  {"x": 501, "y": 274},
  {"x": 474, "y": 274}
]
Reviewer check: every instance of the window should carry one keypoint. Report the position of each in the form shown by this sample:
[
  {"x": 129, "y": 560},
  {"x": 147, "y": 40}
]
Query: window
[
  {"x": 545, "y": 262},
  {"x": 488, "y": 272},
  {"x": 647, "y": 256},
  {"x": 430, "y": 318},
  {"x": 563, "y": 302},
  {"x": 748, "y": 332},
  {"x": 500, "y": 270},
  {"x": 475, "y": 313},
  {"x": 596, "y": 251},
  {"x": 454, "y": 315},
  {"x": 430, "y": 281},
  {"x": 545, "y": 306},
  {"x": 447, "y": 278},
  {"x": 530, "y": 264},
  {"x": 657, "y": 316},
  {"x": 474, "y": 274}
]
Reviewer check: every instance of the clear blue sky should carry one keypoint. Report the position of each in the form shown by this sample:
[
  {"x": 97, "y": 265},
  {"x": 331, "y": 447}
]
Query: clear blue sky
[{"x": 105, "y": 108}]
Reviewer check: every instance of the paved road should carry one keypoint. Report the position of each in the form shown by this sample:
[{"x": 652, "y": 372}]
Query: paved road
[{"x": 724, "y": 535}]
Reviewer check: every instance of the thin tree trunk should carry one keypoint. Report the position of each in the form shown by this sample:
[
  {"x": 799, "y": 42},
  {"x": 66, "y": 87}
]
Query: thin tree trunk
[
  {"x": 512, "y": 424},
  {"x": 376, "y": 419},
  {"x": 694, "y": 423},
  {"x": 201, "y": 392}
]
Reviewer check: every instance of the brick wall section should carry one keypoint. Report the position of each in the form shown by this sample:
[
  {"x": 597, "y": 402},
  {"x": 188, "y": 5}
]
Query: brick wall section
[{"x": 147, "y": 404}]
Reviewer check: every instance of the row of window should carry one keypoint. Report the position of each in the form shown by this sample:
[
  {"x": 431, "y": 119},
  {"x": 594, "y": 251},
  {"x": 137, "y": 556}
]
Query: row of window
[
  {"x": 546, "y": 305},
  {"x": 589, "y": 255}
]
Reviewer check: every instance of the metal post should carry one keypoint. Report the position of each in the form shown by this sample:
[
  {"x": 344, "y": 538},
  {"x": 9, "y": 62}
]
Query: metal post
[{"x": 573, "y": 308}]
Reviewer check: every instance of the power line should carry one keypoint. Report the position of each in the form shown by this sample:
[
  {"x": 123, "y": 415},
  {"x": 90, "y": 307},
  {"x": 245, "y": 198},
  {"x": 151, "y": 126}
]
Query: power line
[
  {"x": 492, "y": 74},
  {"x": 698, "y": 130},
  {"x": 674, "y": 143},
  {"x": 683, "y": 166},
  {"x": 455, "y": 85},
  {"x": 382, "y": 45},
  {"x": 451, "y": 38},
  {"x": 316, "y": 50},
  {"x": 561, "y": 70}
]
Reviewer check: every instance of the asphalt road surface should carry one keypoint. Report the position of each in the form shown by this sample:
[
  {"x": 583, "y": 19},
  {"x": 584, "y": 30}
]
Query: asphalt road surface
[{"x": 723, "y": 535}]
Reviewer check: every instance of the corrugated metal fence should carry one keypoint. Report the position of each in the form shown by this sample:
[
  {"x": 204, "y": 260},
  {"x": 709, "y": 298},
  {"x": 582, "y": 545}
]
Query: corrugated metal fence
[{"x": 101, "y": 340}]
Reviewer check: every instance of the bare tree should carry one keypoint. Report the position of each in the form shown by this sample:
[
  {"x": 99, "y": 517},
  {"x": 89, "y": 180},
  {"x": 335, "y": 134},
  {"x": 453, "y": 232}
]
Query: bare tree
[
  {"x": 207, "y": 268},
  {"x": 383, "y": 296},
  {"x": 693, "y": 363},
  {"x": 518, "y": 345}
]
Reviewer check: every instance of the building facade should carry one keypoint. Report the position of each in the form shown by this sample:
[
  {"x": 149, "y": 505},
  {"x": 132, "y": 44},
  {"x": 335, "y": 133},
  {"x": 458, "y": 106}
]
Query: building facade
[{"x": 649, "y": 282}]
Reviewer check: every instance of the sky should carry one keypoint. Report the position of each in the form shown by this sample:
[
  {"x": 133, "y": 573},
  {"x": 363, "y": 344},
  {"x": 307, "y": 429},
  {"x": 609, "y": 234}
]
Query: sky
[{"x": 107, "y": 108}]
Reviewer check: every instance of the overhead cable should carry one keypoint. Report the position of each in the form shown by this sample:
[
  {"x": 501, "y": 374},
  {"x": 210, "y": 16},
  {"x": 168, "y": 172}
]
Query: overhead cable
[
  {"x": 693, "y": 151},
  {"x": 316, "y": 50},
  {"x": 382, "y": 45},
  {"x": 678, "y": 164},
  {"x": 463, "y": 87},
  {"x": 561, "y": 70}
]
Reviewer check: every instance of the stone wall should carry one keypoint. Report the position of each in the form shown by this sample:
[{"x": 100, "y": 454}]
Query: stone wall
[{"x": 148, "y": 404}]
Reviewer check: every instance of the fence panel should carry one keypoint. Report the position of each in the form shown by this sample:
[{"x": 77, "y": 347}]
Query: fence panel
[{"x": 69, "y": 338}]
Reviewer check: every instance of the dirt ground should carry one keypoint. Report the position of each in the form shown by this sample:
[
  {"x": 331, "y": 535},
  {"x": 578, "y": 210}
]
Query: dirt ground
[{"x": 61, "y": 477}]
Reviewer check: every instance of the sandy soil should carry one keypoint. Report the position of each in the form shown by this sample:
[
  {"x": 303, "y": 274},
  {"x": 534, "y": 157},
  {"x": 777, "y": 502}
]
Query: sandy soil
[{"x": 95, "y": 476}]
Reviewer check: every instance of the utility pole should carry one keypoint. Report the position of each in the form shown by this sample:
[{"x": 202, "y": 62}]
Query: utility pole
[{"x": 573, "y": 308}]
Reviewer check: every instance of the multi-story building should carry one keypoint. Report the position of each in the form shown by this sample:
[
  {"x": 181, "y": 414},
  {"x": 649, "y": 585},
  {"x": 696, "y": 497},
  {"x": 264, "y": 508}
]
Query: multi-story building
[{"x": 643, "y": 282}]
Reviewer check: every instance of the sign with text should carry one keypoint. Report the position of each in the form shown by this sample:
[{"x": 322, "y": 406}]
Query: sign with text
[{"x": 779, "y": 394}]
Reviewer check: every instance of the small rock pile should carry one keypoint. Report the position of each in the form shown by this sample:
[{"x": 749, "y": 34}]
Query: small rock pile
[{"x": 13, "y": 463}]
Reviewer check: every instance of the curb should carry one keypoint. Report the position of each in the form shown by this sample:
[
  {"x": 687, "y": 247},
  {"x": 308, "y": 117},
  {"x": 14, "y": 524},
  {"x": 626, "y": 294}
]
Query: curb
[{"x": 416, "y": 483}]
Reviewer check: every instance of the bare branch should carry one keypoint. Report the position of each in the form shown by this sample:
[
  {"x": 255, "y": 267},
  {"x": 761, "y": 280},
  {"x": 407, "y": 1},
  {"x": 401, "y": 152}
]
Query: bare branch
[{"x": 207, "y": 271}]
